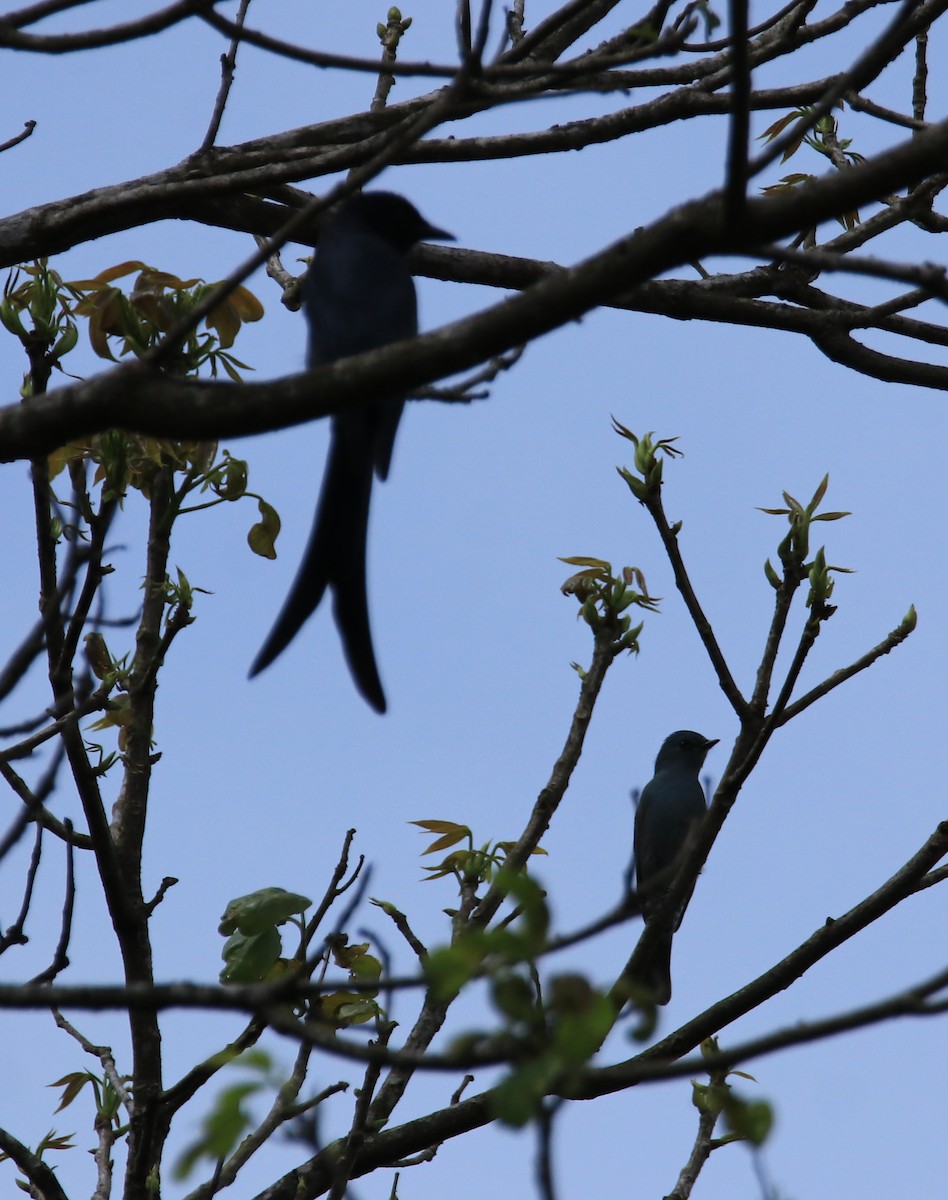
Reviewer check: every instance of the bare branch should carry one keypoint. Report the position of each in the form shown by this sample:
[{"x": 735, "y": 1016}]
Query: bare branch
[
  {"x": 860, "y": 104},
  {"x": 28, "y": 127},
  {"x": 228, "y": 68},
  {"x": 669, "y": 536},
  {"x": 61, "y": 955},
  {"x": 888, "y": 643},
  {"x": 14, "y": 936},
  {"x": 63, "y": 43}
]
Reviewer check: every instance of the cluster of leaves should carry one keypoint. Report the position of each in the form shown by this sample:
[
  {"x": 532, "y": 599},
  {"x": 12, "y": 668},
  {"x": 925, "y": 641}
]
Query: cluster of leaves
[
  {"x": 254, "y": 953},
  {"x": 604, "y": 597},
  {"x": 648, "y": 461},
  {"x": 824, "y": 139},
  {"x": 44, "y": 313},
  {"x": 795, "y": 547},
  {"x": 477, "y": 952},
  {"x": 135, "y": 323},
  {"x": 156, "y": 303},
  {"x": 107, "y": 1099},
  {"x": 470, "y": 865},
  {"x": 51, "y": 331}
]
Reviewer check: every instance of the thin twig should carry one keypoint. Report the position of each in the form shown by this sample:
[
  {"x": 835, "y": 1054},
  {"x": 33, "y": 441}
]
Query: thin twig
[
  {"x": 702, "y": 1147},
  {"x": 113, "y": 35},
  {"x": 61, "y": 954},
  {"x": 28, "y": 127},
  {"x": 228, "y": 68},
  {"x": 888, "y": 643},
  {"x": 669, "y": 536},
  {"x": 14, "y": 936},
  {"x": 104, "y": 1055},
  {"x": 860, "y": 104},
  {"x": 920, "y": 78},
  {"x": 546, "y": 1180}
]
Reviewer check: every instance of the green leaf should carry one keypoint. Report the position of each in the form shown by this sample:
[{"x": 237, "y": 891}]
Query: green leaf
[
  {"x": 72, "y": 1085},
  {"x": 515, "y": 998},
  {"x": 579, "y": 560},
  {"x": 221, "y": 1129},
  {"x": 97, "y": 654},
  {"x": 578, "y": 1035},
  {"x": 751, "y": 1120},
  {"x": 515, "y": 1100},
  {"x": 54, "y": 1141},
  {"x": 451, "y": 832},
  {"x": 349, "y": 1008},
  {"x": 262, "y": 537},
  {"x": 250, "y": 959},
  {"x": 256, "y": 911},
  {"x": 449, "y": 968}
]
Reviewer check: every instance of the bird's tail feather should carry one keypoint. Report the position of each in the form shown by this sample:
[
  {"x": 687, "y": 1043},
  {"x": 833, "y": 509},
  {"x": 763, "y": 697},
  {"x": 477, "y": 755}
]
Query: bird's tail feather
[
  {"x": 335, "y": 557},
  {"x": 654, "y": 975},
  {"x": 389, "y": 415},
  {"x": 656, "y": 972}
]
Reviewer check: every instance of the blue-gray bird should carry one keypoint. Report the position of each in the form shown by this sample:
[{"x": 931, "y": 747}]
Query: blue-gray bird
[
  {"x": 358, "y": 295},
  {"x": 671, "y": 802}
]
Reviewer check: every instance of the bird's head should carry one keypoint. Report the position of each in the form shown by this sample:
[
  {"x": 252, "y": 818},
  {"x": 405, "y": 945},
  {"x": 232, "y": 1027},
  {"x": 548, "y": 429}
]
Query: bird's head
[
  {"x": 684, "y": 748},
  {"x": 393, "y": 218}
]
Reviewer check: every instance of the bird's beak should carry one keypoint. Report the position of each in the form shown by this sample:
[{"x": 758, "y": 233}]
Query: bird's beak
[
  {"x": 434, "y": 234},
  {"x": 709, "y": 742}
]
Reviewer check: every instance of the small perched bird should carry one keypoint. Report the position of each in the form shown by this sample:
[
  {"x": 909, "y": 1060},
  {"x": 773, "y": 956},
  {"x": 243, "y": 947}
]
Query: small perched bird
[
  {"x": 670, "y": 804},
  {"x": 358, "y": 295}
]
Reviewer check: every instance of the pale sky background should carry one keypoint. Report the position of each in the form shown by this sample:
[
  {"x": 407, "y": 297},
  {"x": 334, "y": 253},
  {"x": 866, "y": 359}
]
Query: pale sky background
[{"x": 258, "y": 782}]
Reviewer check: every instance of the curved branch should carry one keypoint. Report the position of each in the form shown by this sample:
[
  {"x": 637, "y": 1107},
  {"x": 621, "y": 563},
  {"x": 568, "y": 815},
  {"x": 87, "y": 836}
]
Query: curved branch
[
  {"x": 13, "y": 38},
  {"x": 843, "y": 348}
]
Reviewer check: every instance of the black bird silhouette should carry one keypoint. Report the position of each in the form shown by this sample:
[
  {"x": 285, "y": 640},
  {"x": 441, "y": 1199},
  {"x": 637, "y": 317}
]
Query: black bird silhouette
[
  {"x": 670, "y": 805},
  {"x": 358, "y": 295}
]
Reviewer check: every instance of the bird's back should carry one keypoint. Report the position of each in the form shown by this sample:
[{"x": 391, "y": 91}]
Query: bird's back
[
  {"x": 669, "y": 805},
  {"x": 359, "y": 295}
]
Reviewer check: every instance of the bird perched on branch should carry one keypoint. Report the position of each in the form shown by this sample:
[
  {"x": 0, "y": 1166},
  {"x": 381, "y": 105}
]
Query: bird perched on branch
[
  {"x": 671, "y": 803},
  {"x": 358, "y": 295}
]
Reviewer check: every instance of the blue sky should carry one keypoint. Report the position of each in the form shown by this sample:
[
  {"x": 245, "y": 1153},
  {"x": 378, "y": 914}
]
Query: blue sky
[{"x": 258, "y": 782}]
